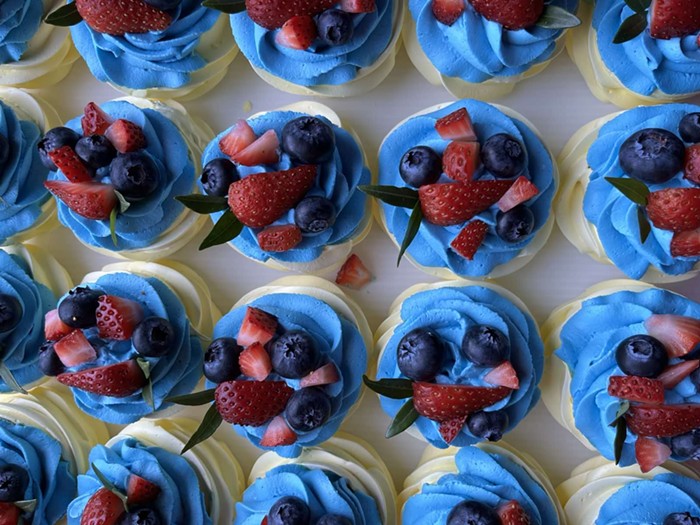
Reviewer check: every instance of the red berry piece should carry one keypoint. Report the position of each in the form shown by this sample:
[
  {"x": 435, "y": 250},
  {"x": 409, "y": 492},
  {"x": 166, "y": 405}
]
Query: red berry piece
[
  {"x": 254, "y": 362},
  {"x": 54, "y": 328},
  {"x": 663, "y": 420},
  {"x": 691, "y": 170},
  {"x": 271, "y": 14},
  {"x": 74, "y": 349},
  {"x": 686, "y": 244},
  {"x": 354, "y": 274},
  {"x": 326, "y": 375},
  {"x": 674, "y": 374},
  {"x": 117, "y": 380},
  {"x": 675, "y": 209},
  {"x": 460, "y": 160},
  {"x": 446, "y": 402},
  {"x": 298, "y": 32},
  {"x": 126, "y": 136},
  {"x": 103, "y": 508},
  {"x": 469, "y": 239},
  {"x": 251, "y": 403},
  {"x": 117, "y": 317},
  {"x": 511, "y": 14},
  {"x": 456, "y": 126},
  {"x": 521, "y": 191},
  {"x": 9, "y": 514},
  {"x": 140, "y": 491},
  {"x": 117, "y": 17},
  {"x": 650, "y": 453},
  {"x": 447, "y": 11},
  {"x": 279, "y": 238},
  {"x": 674, "y": 18},
  {"x": 455, "y": 203},
  {"x": 639, "y": 389},
  {"x": 257, "y": 327},
  {"x": 503, "y": 375},
  {"x": 67, "y": 160},
  {"x": 263, "y": 151},
  {"x": 94, "y": 120},
  {"x": 92, "y": 200},
  {"x": 358, "y": 6},
  {"x": 278, "y": 434},
  {"x": 512, "y": 513},
  {"x": 449, "y": 430},
  {"x": 236, "y": 140},
  {"x": 679, "y": 334}
]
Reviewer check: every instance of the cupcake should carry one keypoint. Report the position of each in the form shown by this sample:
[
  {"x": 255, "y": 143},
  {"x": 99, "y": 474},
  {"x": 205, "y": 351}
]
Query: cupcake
[
  {"x": 458, "y": 363},
  {"x": 119, "y": 168},
  {"x": 629, "y": 180},
  {"x": 32, "y": 54},
  {"x": 621, "y": 372},
  {"x": 482, "y": 49},
  {"x": 151, "y": 48},
  {"x": 285, "y": 365},
  {"x": 298, "y": 209},
  {"x": 491, "y": 484},
  {"x": 342, "y": 481},
  {"x": 630, "y": 58},
  {"x": 485, "y": 183},
  {"x": 142, "y": 464},
  {"x": 600, "y": 493},
  {"x": 125, "y": 341}
]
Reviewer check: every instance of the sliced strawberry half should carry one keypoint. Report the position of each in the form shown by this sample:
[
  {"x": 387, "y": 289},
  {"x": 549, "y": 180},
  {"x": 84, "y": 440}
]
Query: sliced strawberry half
[
  {"x": 503, "y": 375},
  {"x": 674, "y": 374},
  {"x": 117, "y": 317},
  {"x": 54, "y": 328},
  {"x": 238, "y": 139},
  {"x": 470, "y": 239},
  {"x": 674, "y": 18},
  {"x": 257, "y": 327},
  {"x": 511, "y": 14},
  {"x": 103, "y": 508},
  {"x": 358, "y": 6},
  {"x": 460, "y": 160},
  {"x": 326, "y": 375},
  {"x": 521, "y": 191},
  {"x": 447, "y": 11},
  {"x": 639, "y": 389},
  {"x": 278, "y": 434},
  {"x": 299, "y": 32},
  {"x": 455, "y": 203},
  {"x": 680, "y": 335},
  {"x": 118, "y": 17},
  {"x": 251, "y": 403},
  {"x": 74, "y": 349},
  {"x": 94, "y": 120},
  {"x": 126, "y": 136},
  {"x": 70, "y": 164},
  {"x": 116, "y": 380},
  {"x": 262, "y": 151},
  {"x": 140, "y": 491},
  {"x": 457, "y": 125},
  {"x": 354, "y": 274},
  {"x": 279, "y": 238},
  {"x": 446, "y": 402},
  {"x": 686, "y": 244},
  {"x": 271, "y": 14},
  {"x": 663, "y": 420},
  {"x": 512, "y": 513},
  {"x": 691, "y": 171},
  {"x": 449, "y": 430},
  {"x": 675, "y": 209},
  {"x": 255, "y": 362},
  {"x": 9, "y": 514},
  {"x": 650, "y": 453},
  {"x": 92, "y": 200}
]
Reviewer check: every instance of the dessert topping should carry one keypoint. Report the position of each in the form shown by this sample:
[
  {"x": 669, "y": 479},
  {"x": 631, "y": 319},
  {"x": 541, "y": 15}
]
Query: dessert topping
[
  {"x": 279, "y": 238},
  {"x": 354, "y": 274},
  {"x": 299, "y": 32},
  {"x": 470, "y": 238}
]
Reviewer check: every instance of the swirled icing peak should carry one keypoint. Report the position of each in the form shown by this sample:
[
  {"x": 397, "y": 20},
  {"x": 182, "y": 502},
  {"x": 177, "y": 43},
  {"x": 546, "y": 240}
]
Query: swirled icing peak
[{"x": 19, "y": 21}]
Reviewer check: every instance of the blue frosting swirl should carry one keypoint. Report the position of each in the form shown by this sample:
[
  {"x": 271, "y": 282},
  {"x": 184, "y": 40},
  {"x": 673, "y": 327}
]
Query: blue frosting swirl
[
  {"x": 181, "y": 500},
  {"x": 157, "y": 59},
  {"x": 19, "y": 21},
  {"x": 476, "y": 49},
  {"x": 323, "y": 491},
  {"x": 450, "y": 312},
  {"x": 22, "y": 191},
  {"x": 613, "y": 214},
  {"x": 431, "y": 247},
  {"x": 337, "y": 180},
  {"x": 645, "y": 64},
  {"x": 588, "y": 343},
  {"x": 337, "y": 339},
  {"x": 650, "y": 501},
  {"x": 489, "y": 478},
  {"x": 175, "y": 373},
  {"x": 20, "y": 346},
  {"x": 145, "y": 220},
  {"x": 321, "y": 63}
]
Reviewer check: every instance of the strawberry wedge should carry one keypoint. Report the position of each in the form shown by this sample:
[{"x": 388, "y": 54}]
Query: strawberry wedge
[
  {"x": 458, "y": 124},
  {"x": 239, "y": 138},
  {"x": 663, "y": 420},
  {"x": 680, "y": 335},
  {"x": 447, "y": 402},
  {"x": 650, "y": 453}
]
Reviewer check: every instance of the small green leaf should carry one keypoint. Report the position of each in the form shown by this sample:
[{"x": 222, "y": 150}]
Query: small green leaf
[
  {"x": 109, "y": 485},
  {"x": 414, "y": 222},
  {"x": 65, "y": 16},
  {"x": 226, "y": 228},
  {"x": 8, "y": 377},
  {"x": 555, "y": 17},
  {"x": 621, "y": 411},
  {"x": 27, "y": 505},
  {"x": 405, "y": 417},
  {"x": 147, "y": 391},
  {"x": 638, "y": 6},
  {"x": 123, "y": 203},
  {"x": 193, "y": 400},
  {"x": 630, "y": 28},
  {"x": 225, "y": 6},
  {"x": 113, "y": 224},
  {"x": 620, "y": 437},
  {"x": 633, "y": 189},
  {"x": 212, "y": 420},
  {"x": 203, "y": 204},
  {"x": 392, "y": 195},
  {"x": 644, "y": 226},
  {"x": 391, "y": 388}
]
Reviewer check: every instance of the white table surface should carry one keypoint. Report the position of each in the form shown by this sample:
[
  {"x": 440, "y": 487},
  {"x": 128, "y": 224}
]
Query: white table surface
[{"x": 556, "y": 101}]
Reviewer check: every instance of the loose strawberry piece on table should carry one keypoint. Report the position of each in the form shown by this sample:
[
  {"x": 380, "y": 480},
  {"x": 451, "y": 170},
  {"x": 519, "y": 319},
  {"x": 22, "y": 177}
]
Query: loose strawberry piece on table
[
  {"x": 691, "y": 170},
  {"x": 512, "y": 513},
  {"x": 680, "y": 335},
  {"x": 469, "y": 239},
  {"x": 74, "y": 349},
  {"x": 650, "y": 453},
  {"x": 455, "y": 203},
  {"x": 255, "y": 362},
  {"x": 511, "y": 14},
  {"x": 354, "y": 274},
  {"x": 639, "y": 389},
  {"x": 94, "y": 120},
  {"x": 674, "y": 18},
  {"x": 686, "y": 244},
  {"x": 358, "y": 6},
  {"x": 117, "y": 17},
  {"x": 9, "y": 514},
  {"x": 663, "y": 420},
  {"x": 236, "y": 140},
  {"x": 103, "y": 508},
  {"x": 447, "y": 11},
  {"x": 262, "y": 151},
  {"x": 299, "y": 32},
  {"x": 271, "y": 14},
  {"x": 460, "y": 160},
  {"x": 257, "y": 327},
  {"x": 279, "y": 238},
  {"x": 54, "y": 328},
  {"x": 126, "y": 136},
  {"x": 117, "y": 317},
  {"x": 140, "y": 491},
  {"x": 116, "y": 380},
  {"x": 446, "y": 402},
  {"x": 457, "y": 125},
  {"x": 92, "y": 200},
  {"x": 326, "y": 375},
  {"x": 278, "y": 434},
  {"x": 503, "y": 375},
  {"x": 449, "y": 430},
  {"x": 675, "y": 209},
  {"x": 251, "y": 403},
  {"x": 674, "y": 374},
  {"x": 521, "y": 191},
  {"x": 70, "y": 164}
]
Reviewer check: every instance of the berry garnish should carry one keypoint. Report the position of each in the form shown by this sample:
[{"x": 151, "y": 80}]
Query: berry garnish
[
  {"x": 278, "y": 434},
  {"x": 674, "y": 374},
  {"x": 449, "y": 430},
  {"x": 118, "y": 17},
  {"x": 221, "y": 360},
  {"x": 455, "y": 203},
  {"x": 314, "y": 214},
  {"x": 54, "y": 328},
  {"x": 689, "y": 128},
  {"x": 675, "y": 209},
  {"x": 686, "y": 244},
  {"x": 358, "y": 6},
  {"x": 254, "y": 362},
  {"x": 94, "y": 120},
  {"x": 78, "y": 309},
  {"x": 91, "y": 200},
  {"x": 74, "y": 349},
  {"x": 456, "y": 126},
  {"x": 639, "y": 389},
  {"x": 217, "y": 176},
  {"x": 9, "y": 514},
  {"x": 354, "y": 274},
  {"x": 447, "y": 11},
  {"x": 308, "y": 140},
  {"x": 641, "y": 355},
  {"x": 125, "y": 136},
  {"x": 146, "y": 516},
  {"x": 307, "y": 409},
  {"x": 103, "y": 508},
  {"x": 420, "y": 166},
  {"x": 512, "y": 513},
  {"x": 663, "y": 420},
  {"x": 335, "y": 27},
  {"x": 289, "y": 510},
  {"x": 503, "y": 375},
  {"x": 674, "y": 18},
  {"x": 299, "y": 32},
  {"x": 691, "y": 168},
  {"x": 488, "y": 425},
  {"x": 140, "y": 491},
  {"x": 652, "y": 155},
  {"x": 294, "y": 354},
  {"x": 10, "y": 312},
  {"x": 49, "y": 362},
  {"x": 485, "y": 346},
  {"x": 257, "y": 327},
  {"x": 14, "y": 481},
  {"x": 95, "y": 150},
  {"x": 153, "y": 337},
  {"x": 70, "y": 164},
  {"x": 473, "y": 512},
  {"x": 687, "y": 445},
  {"x": 240, "y": 137},
  {"x": 460, "y": 160},
  {"x": 116, "y": 380},
  {"x": 117, "y": 317},
  {"x": 53, "y": 139},
  {"x": 420, "y": 354},
  {"x": 503, "y": 156},
  {"x": 251, "y": 403},
  {"x": 134, "y": 175},
  {"x": 279, "y": 238},
  {"x": 326, "y": 375},
  {"x": 469, "y": 239},
  {"x": 650, "y": 453},
  {"x": 446, "y": 402},
  {"x": 515, "y": 224},
  {"x": 521, "y": 191},
  {"x": 262, "y": 151},
  {"x": 679, "y": 334}
]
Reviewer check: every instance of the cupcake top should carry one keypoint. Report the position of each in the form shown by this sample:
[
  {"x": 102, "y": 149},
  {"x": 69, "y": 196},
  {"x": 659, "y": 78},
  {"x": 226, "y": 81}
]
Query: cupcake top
[
  {"x": 472, "y": 343},
  {"x": 463, "y": 229},
  {"x": 19, "y": 22}
]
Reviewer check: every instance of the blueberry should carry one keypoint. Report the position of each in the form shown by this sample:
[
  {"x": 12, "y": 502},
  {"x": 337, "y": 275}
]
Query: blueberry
[
  {"x": 49, "y": 363},
  {"x": 308, "y": 140},
  {"x": 293, "y": 354},
  {"x": 14, "y": 481},
  {"x": 221, "y": 360},
  {"x": 503, "y": 156},
  {"x": 163, "y": 4},
  {"x": 641, "y": 355},
  {"x": 96, "y": 151},
  {"x": 333, "y": 519},
  {"x": 289, "y": 510},
  {"x": 515, "y": 224},
  {"x": 690, "y": 128},
  {"x": 307, "y": 409},
  {"x": 78, "y": 308},
  {"x": 144, "y": 516},
  {"x": 153, "y": 337},
  {"x": 687, "y": 445},
  {"x": 53, "y": 139},
  {"x": 420, "y": 166},
  {"x": 681, "y": 518},
  {"x": 473, "y": 513},
  {"x": 134, "y": 175},
  {"x": 488, "y": 425},
  {"x": 485, "y": 346},
  {"x": 652, "y": 155},
  {"x": 218, "y": 175},
  {"x": 314, "y": 214},
  {"x": 335, "y": 27},
  {"x": 4, "y": 149},
  {"x": 420, "y": 354},
  {"x": 10, "y": 312}
]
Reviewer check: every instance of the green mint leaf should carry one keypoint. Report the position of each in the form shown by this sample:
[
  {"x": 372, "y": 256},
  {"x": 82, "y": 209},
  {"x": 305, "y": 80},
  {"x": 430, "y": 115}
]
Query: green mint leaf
[
  {"x": 147, "y": 391},
  {"x": 391, "y": 388},
  {"x": 212, "y": 420},
  {"x": 555, "y": 17},
  {"x": 193, "y": 400},
  {"x": 109, "y": 485},
  {"x": 8, "y": 377},
  {"x": 226, "y": 228},
  {"x": 405, "y": 417},
  {"x": 644, "y": 226},
  {"x": 633, "y": 189},
  {"x": 65, "y": 16},
  {"x": 113, "y": 224},
  {"x": 225, "y": 6},
  {"x": 26, "y": 505},
  {"x": 621, "y": 411},
  {"x": 203, "y": 204},
  {"x": 392, "y": 195},
  {"x": 638, "y": 6},
  {"x": 620, "y": 437},
  {"x": 123, "y": 203},
  {"x": 630, "y": 28},
  {"x": 414, "y": 222}
]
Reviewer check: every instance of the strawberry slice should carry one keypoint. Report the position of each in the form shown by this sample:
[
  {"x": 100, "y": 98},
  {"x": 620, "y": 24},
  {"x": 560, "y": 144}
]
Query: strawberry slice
[
  {"x": 674, "y": 374},
  {"x": 271, "y": 14},
  {"x": 470, "y": 238},
  {"x": 326, "y": 375},
  {"x": 118, "y": 17},
  {"x": 691, "y": 171},
  {"x": 116, "y": 380},
  {"x": 299, "y": 32},
  {"x": 70, "y": 164},
  {"x": 512, "y": 513},
  {"x": 255, "y": 362},
  {"x": 458, "y": 124},
  {"x": 92, "y": 200},
  {"x": 358, "y": 6},
  {"x": 650, "y": 453},
  {"x": 117, "y": 317},
  {"x": 680, "y": 335},
  {"x": 251, "y": 403},
  {"x": 279, "y": 238},
  {"x": 262, "y": 151},
  {"x": 260, "y": 199},
  {"x": 446, "y": 402},
  {"x": 447, "y": 11},
  {"x": 54, "y": 328},
  {"x": 449, "y": 430},
  {"x": 240, "y": 137},
  {"x": 503, "y": 375},
  {"x": 674, "y": 18},
  {"x": 686, "y": 244},
  {"x": 74, "y": 349},
  {"x": 460, "y": 160},
  {"x": 639, "y": 389},
  {"x": 455, "y": 203},
  {"x": 511, "y": 14},
  {"x": 103, "y": 508},
  {"x": 663, "y": 420},
  {"x": 94, "y": 121},
  {"x": 675, "y": 209},
  {"x": 9, "y": 514},
  {"x": 140, "y": 491},
  {"x": 257, "y": 327},
  {"x": 522, "y": 190},
  {"x": 126, "y": 136},
  {"x": 353, "y": 274},
  {"x": 278, "y": 434}
]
